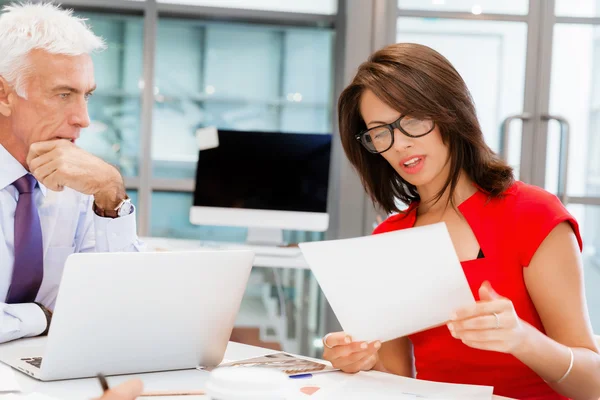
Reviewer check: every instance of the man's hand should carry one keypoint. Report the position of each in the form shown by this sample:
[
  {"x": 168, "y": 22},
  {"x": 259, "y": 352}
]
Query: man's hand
[
  {"x": 59, "y": 163},
  {"x": 129, "y": 390}
]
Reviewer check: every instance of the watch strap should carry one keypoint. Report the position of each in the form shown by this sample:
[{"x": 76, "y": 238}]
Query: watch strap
[
  {"x": 48, "y": 315},
  {"x": 108, "y": 213}
]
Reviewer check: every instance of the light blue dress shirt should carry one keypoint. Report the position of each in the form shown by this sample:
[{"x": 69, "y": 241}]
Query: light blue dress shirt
[{"x": 68, "y": 226}]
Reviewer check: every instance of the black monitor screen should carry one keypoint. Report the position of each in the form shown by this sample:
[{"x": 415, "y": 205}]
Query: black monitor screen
[{"x": 265, "y": 171}]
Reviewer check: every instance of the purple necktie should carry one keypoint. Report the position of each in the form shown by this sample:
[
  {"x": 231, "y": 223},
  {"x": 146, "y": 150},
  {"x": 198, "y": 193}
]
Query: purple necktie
[{"x": 28, "y": 270}]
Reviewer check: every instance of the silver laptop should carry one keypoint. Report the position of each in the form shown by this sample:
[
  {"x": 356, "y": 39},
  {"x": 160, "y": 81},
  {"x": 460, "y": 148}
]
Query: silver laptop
[{"x": 123, "y": 313}]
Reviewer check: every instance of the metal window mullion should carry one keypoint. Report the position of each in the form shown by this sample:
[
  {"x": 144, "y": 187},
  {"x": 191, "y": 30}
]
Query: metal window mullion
[
  {"x": 461, "y": 15},
  {"x": 145, "y": 160},
  {"x": 589, "y": 201},
  {"x": 384, "y": 23},
  {"x": 246, "y": 15},
  {"x": 544, "y": 74},
  {"x": 105, "y": 5},
  {"x": 530, "y": 96},
  {"x": 172, "y": 185},
  {"x": 131, "y": 183},
  {"x": 578, "y": 20}
]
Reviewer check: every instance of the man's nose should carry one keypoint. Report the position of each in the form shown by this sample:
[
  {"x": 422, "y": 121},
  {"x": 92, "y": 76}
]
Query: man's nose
[{"x": 80, "y": 116}]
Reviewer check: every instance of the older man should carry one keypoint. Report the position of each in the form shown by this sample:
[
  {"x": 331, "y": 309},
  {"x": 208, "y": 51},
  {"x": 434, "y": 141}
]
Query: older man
[{"x": 55, "y": 199}]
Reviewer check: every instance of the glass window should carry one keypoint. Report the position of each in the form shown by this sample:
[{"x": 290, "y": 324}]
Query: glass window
[
  {"x": 115, "y": 106},
  {"x": 307, "y": 81},
  {"x": 325, "y": 7},
  {"x": 575, "y": 95},
  {"x": 520, "y": 7},
  {"x": 577, "y": 8},
  {"x": 173, "y": 220},
  {"x": 236, "y": 76},
  {"x": 490, "y": 56},
  {"x": 133, "y": 195},
  {"x": 588, "y": 218}
]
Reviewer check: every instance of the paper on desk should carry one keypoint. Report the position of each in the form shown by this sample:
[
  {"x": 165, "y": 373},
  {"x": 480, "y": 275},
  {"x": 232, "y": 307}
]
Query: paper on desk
[
  {"x": 8, "y": 381},
  {"x": 29, "y": 396},
  {"x": 389, "y": 285},
  {"x": 377, "y": 385}
]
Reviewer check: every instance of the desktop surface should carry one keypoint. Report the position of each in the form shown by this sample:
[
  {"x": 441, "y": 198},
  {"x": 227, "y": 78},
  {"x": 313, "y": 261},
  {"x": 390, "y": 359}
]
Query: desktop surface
[
  {"x": 272, "y": 251},
  {"x": 266, "y": 256},
  {"x": 162, "y": 381}
]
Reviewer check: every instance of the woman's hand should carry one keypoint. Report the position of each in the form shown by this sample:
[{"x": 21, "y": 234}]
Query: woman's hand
[
  {"x": 350, "y": 356},
  {"x": 491, "y": 324}
]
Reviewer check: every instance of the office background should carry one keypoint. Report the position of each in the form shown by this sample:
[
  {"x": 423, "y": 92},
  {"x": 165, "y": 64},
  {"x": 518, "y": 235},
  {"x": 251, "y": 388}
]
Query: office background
[{"x": 174, "y": 66}]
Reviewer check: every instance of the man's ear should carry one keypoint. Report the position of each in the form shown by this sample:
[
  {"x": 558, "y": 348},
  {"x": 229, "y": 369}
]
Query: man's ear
[{"x": 7, "y": 97}]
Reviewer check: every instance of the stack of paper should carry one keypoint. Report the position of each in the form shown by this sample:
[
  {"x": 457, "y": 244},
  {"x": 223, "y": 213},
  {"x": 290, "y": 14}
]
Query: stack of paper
[
  {"x": 380, "y": 386},
  {"x": 390, "y": 285},
  {"x": 290, "y": 364},
  {"x": 30, "y": 396}
]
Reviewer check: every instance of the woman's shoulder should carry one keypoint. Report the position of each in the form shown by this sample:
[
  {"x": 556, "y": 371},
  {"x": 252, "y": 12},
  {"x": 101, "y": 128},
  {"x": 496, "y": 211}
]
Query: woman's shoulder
[
  {"x": 524, "y": 199},
  {"x": 402, "y": 220},
  {"x": 532, "y": 213},
  {"x": 527, "y": 193}
]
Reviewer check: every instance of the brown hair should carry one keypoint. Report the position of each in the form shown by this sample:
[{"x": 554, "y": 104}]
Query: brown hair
[{"x": 416, "y": 79}]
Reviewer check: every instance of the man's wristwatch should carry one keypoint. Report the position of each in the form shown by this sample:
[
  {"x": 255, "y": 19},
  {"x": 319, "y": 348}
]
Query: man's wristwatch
[
  {"x": 48, "y": 315},
  {"x": 124, "y": 208}
]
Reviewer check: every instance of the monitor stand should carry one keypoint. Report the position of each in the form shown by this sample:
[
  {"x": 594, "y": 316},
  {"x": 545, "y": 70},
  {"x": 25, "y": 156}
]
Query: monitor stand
[{"x": 265, "y": 236}]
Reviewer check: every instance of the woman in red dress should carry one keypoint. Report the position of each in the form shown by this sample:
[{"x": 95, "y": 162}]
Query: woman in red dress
[{"x": 408, "y": 126}]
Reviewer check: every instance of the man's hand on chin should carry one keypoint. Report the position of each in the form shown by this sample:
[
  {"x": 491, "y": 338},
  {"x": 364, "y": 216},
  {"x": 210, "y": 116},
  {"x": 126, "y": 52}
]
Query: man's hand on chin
[{"x": 59, "y": 163}]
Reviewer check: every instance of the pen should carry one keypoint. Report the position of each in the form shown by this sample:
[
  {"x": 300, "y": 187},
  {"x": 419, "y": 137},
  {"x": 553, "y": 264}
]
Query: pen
[
  {"x": 300, "y": 376},
  {"x": 103, "y": 382},
  {"x": 105, "y": 388},
  {"x": 167, "y": 393}
]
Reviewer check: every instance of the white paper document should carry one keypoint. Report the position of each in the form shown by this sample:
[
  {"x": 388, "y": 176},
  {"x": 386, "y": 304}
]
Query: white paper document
[
  {"x": 380, "y": 386},
  {"x": 8, "y": 381},
  {"x": 393, "y": 284},
  {"x": 29, "y": 396}
]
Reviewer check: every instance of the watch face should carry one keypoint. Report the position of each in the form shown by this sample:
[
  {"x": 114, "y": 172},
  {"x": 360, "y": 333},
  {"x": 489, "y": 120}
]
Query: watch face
[{"x": 126, "y": 208}]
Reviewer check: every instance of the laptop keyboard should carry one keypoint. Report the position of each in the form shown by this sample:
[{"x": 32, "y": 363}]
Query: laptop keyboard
[{"x": 35, "y": 361}]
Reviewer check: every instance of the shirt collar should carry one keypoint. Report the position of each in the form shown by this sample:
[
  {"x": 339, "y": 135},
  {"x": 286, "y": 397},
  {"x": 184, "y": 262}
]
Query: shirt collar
[{"x": 12, "y": 170}]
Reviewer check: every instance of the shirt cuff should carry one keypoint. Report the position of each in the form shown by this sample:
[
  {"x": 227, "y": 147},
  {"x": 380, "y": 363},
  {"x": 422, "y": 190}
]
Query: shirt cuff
[
  {"x": 32, "y": 318},
  {"x": 115, "y": 234}
]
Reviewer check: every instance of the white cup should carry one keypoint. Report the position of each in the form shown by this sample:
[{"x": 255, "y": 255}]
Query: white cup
[{"x": 247, "y": 383}]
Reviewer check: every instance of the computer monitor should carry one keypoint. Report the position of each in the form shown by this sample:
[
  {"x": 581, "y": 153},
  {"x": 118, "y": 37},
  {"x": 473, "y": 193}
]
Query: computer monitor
[{"x": 266, "y": 181}]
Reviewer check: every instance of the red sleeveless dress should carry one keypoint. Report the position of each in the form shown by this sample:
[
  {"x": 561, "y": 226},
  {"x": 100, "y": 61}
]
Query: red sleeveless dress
[{"x": 509, "y": 230}]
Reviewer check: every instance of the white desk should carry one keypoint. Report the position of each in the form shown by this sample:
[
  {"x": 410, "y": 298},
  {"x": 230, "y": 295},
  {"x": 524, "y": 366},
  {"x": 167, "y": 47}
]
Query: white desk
[
  {"x": 89, "y": 388},
  {"x": 79, "y": 389},
  {"x": 261, "y": 260}
]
